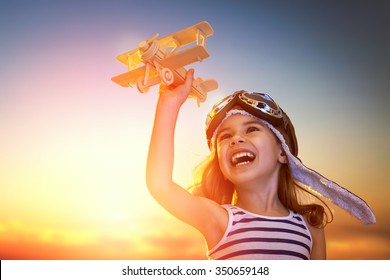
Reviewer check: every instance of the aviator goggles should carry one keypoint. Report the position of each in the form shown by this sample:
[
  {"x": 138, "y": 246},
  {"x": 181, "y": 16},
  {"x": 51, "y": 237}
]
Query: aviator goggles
[{"x": 260, "y": 105}]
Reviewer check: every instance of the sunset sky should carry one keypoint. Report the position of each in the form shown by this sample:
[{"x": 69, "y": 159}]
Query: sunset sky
[{"x": 73, "y": 144}]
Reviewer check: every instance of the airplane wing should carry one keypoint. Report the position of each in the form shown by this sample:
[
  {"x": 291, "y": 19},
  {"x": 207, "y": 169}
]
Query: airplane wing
[
  {"x": 185, "y": 57},
  {"x": 129, "y": 78},
  {"x": 188, "y": 35}
]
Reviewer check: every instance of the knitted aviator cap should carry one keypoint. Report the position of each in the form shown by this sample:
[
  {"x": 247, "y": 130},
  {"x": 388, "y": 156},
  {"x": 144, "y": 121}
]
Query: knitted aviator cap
[
  {"x": 262, "y": 108},
  {"x": 257, "y": 104}
]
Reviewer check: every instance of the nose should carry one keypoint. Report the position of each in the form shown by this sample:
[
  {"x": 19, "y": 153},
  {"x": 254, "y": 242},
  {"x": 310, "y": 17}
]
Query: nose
[{"x": 236, "y": 139}]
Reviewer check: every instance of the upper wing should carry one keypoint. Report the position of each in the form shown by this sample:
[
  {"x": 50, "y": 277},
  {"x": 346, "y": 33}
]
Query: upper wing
[
  {"x": 177, "y": 39},
  {"x": 188, "y": 35}
]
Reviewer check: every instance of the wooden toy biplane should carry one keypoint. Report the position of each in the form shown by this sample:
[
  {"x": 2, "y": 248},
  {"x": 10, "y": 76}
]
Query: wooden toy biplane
[{"x": 164, "y": 61}]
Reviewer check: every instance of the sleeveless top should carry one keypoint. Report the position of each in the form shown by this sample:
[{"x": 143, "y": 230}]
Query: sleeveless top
[{"x": 252, "y": 236}]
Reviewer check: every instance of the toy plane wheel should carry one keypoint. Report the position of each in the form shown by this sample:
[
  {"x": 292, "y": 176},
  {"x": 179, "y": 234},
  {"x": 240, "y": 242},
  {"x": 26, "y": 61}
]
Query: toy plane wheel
[
  {"x": 140, "y": 85},
  {"x": 166, "y": 76}
]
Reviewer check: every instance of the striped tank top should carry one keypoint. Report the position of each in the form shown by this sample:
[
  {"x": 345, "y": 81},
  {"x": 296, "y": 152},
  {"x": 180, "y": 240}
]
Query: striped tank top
[{"x": 251, "y": 236}]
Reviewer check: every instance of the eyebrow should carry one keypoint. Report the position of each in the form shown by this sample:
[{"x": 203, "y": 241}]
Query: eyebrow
[{"x": 244, "y": 124}]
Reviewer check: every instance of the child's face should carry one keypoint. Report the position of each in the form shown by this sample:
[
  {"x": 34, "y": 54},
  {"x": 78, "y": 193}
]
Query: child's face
[{"x": 248, "y": 151}]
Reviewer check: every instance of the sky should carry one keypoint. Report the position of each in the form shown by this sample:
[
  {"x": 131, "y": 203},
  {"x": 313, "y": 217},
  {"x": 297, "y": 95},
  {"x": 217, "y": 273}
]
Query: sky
[{"x": 73, "y": 144}]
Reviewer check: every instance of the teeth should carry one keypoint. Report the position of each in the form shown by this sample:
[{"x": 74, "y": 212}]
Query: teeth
[
  {"x": 242, "y": 154},
  {"x": 242, "y": 163},
  {"x": 242, "y": 158}
]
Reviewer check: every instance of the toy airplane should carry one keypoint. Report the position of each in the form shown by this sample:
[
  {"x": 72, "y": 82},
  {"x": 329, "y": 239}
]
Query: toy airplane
[{"x": 165, "y": 63}]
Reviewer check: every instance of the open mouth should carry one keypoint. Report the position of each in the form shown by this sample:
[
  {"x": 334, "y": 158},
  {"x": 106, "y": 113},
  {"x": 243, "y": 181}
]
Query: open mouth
[{"x": 242, "y": 158}]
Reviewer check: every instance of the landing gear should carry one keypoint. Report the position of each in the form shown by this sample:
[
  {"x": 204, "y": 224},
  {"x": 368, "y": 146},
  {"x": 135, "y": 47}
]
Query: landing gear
[
  {"x": 166, "y": 76},
  {"x": 140, "y": 85}
]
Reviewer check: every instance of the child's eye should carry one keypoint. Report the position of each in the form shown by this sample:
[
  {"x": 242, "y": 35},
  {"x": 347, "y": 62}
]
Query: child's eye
[
  {"x": 252, "y": 129},
  {"x": 223, "y": 136}
]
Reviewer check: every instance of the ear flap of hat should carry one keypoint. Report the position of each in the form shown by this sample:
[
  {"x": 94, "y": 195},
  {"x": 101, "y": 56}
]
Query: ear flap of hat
[
  {"x": 325, "y": 187},
  {"x": 288, "y": 132}
]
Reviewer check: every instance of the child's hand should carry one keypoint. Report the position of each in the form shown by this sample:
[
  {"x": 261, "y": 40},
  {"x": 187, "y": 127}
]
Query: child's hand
[{"x": 178, "y": 94}]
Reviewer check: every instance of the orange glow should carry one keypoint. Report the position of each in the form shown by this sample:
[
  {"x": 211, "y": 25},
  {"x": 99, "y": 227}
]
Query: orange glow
[
  {"x": 73, "y": 144},
  {"x": 21, "y": 241}
]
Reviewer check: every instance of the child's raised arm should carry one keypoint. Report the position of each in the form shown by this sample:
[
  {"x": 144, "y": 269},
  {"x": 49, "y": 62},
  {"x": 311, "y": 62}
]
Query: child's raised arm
[
  {"x": 204, "y": 214},
  {"x": 161, "y": 150}
]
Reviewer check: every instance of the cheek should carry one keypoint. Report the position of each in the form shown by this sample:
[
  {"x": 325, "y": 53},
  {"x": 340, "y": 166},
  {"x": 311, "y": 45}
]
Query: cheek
[
  {"x": 222, "y": 159},
  {"x": 273, "y": 153}
]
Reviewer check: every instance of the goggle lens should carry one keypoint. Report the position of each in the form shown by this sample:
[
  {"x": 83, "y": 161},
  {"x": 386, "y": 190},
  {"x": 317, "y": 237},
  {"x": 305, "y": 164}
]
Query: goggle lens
[
  {"x": 256, "y": 100},
  {"x": 218, "y": 107}
]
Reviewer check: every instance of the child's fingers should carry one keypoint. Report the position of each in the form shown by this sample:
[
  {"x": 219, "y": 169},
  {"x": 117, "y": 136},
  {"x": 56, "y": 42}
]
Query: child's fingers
[{"x": 189, "y": 79}]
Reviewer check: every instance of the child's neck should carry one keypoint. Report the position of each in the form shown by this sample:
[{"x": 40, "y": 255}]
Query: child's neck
[{"x": 261, "y": 203}]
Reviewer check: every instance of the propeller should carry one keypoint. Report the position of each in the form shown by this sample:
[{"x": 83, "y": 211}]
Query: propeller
[{"x": 145, "y": 44}]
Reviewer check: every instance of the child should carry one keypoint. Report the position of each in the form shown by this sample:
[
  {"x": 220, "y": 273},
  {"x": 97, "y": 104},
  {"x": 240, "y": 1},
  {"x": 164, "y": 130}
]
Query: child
[{"x": 246, "y": 201}]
